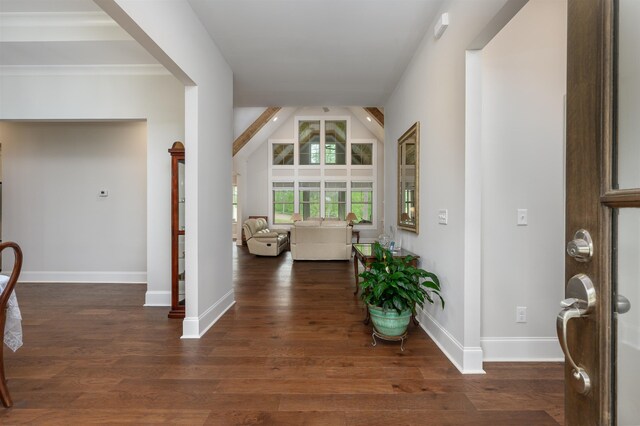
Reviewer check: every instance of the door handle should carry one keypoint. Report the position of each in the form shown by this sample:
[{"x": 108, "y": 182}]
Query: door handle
[{"x": 580, "y": 302}]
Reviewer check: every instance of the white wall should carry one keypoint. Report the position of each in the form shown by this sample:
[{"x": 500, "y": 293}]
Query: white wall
[
  {"x": 432, "y": 91},
  {"x": 243, "y": 118},
  {"x": 257, "y": 178},
  {"x": 52, "y": 177},
  {"x": 172, "y": 32},
  {"x": 523, "y": 88},
  {"x": 54, "y": 95},
  {"x": 257, "y": 165}
]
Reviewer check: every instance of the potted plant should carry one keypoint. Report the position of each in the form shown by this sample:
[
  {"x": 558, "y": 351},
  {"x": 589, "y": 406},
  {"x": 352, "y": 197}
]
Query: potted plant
[{"x": 392, "y": 288}]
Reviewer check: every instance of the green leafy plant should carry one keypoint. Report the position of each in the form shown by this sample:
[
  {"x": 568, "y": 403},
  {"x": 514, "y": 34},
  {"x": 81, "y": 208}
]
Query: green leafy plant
[{"x": 393, "y": 283}]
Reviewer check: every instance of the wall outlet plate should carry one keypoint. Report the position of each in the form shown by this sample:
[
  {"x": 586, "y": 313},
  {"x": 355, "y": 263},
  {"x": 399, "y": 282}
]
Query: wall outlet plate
[{"x": 443, "y": 216}]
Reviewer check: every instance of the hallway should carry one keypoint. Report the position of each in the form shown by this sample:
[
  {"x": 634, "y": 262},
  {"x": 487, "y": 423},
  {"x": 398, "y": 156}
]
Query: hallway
[{"x": 292, "y": 351}]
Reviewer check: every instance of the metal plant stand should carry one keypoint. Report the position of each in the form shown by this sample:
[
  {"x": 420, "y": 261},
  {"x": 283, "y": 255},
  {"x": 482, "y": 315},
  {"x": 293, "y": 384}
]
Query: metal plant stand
[{"x": 389, "y": 338}]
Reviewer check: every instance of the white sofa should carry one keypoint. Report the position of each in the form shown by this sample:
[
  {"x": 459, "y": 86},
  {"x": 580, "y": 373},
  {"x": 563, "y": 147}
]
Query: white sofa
[
  {"x": 321, "y": 240},
  {"x": 262, "y": 241}
]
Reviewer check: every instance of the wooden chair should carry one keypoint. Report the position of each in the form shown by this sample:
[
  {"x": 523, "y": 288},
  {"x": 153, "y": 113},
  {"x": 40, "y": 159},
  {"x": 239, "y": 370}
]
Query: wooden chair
[{"x": 4, "y": 299}]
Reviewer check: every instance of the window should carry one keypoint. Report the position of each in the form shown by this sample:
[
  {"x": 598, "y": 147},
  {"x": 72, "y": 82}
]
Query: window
[
  {"x": 309, "y": 141},
  {"x": 282, "y": 154},
  {"x": 322, "y": 172},
  {"x": 362, "y": 201},
  {"x": 335, "y": 145},
  {"x": 361, "y": 154},
  {"x": 309, "y": 199},
  {"x": 283, "y": 201},
  {"x": 335, "y": 200},
  {"x": 234, "y": 203}
]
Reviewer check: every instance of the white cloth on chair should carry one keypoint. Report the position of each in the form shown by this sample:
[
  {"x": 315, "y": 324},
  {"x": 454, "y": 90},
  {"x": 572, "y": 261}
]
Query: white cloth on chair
[{"x": 13, "y": 324}]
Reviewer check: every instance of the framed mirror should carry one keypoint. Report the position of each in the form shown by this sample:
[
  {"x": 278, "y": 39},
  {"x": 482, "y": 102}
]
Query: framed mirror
[{"x": 409, "y": 178}]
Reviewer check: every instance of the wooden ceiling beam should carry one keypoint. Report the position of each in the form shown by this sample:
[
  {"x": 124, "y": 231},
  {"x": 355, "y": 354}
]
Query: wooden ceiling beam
[
  {"x": 254, "y": 128},
  {"x": 376, "y": 114}
]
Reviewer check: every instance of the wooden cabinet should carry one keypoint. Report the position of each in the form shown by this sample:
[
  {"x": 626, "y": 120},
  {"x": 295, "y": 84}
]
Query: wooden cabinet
[{"x": 177, "y": 231}]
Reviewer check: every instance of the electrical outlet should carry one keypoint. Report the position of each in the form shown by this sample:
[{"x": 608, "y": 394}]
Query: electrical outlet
[
  {"x": 443, "y": 217},
  {"x": 103, "y": 193},
  {"x": 521, "y": 314}
]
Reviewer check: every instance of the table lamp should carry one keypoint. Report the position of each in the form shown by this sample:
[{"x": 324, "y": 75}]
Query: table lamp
[{"x": 351, "y": 216}]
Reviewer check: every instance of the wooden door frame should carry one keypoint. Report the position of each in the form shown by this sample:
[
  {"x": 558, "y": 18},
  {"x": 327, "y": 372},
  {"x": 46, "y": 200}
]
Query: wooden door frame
[{"x": 588, "y": 189}]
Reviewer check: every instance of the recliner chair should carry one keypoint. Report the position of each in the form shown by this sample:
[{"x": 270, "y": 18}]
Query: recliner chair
[{"x": 263, "y": 242}]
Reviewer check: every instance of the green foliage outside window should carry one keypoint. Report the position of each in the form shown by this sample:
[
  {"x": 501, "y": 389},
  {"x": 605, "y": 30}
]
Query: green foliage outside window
[{"x": 283, "y": 202}]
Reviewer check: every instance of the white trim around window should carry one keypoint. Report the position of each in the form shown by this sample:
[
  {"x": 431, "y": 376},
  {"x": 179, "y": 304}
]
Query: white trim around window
[{"x": 324, "y": 173}]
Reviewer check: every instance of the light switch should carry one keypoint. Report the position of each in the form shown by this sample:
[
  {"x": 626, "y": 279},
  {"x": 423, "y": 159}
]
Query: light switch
[
  {"x": 443, "y": 217},
  {"x": 522, "y": 217}
]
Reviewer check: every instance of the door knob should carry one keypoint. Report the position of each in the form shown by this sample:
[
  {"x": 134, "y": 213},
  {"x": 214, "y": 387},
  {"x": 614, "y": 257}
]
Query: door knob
[
  {"x": 580, "y": 302},
  {"x": 581, "y": 247}
]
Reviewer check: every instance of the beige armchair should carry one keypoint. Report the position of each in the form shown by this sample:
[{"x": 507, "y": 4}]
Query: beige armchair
[{"x": 263, "y": 242}]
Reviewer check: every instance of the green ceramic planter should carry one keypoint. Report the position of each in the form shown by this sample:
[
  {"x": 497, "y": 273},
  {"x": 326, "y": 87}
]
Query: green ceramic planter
[{"x": 389, "y": 322}]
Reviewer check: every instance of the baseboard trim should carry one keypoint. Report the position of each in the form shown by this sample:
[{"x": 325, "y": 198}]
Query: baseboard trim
[
  {"x": 513, "y": 349},
  {"x": 468, "y": 360},
  {"x": 89, "y": 277},
  {"x": 157, "y": 298},
  {"x": 196, "y": 327}
]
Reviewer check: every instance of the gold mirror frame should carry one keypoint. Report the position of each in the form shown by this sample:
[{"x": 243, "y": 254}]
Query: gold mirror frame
[{"x": 409, "y": 179}]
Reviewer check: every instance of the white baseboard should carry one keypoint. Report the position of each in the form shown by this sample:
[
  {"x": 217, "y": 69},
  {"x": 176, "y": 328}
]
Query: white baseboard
[
  {"x": 93, "y": 277},
  {"x": 536, "y": 349},
  {"x": 468, "y": 360},
  {"x": 196, "y": 327},
  {"x": 157, "y": 298}
]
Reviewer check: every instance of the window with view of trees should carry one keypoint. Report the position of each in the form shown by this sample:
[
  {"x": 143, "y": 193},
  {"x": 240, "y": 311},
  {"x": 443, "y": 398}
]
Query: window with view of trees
[
  {"x": 335, "y": 142},
  {"x": 283, "y": 201},
  {"x": 309, "y": 142},
  {"x": 362, "y": 201},
  {"x": 336, "y": 176},
  {"x": 234, "y": 203},
  {"x": 335, "y": 200},
  {"x": 309, "y": 199}
]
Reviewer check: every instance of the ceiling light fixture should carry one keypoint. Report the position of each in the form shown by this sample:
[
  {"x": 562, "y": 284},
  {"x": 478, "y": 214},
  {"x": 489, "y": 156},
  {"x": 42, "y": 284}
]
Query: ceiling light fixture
[
  {"x": 368, "y": 118},
  {"x": 275, "y": 119}
]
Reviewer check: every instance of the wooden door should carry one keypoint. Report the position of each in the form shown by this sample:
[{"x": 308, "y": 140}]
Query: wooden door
[{"x": 603, "y": 198}]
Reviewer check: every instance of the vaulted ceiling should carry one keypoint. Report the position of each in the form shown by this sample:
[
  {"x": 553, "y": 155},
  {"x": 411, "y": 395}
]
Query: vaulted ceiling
[{"x": 282, "y": 52}]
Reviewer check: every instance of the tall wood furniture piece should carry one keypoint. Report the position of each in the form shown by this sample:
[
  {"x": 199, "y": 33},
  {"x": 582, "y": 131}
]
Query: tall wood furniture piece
[
  {"x": 177, "y": 231},
  {"x": 4, "y": 299}
]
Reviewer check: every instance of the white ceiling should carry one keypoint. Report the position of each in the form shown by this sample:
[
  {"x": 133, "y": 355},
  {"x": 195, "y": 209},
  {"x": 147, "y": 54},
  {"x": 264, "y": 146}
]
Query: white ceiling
[
  {"x": 282, "y": 52},
  {"x": 316, "y": 52}
]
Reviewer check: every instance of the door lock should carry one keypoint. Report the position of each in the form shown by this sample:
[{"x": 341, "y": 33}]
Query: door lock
[
  {"x": 580, "y": 302},
  {"x": 581, "y": 247}
]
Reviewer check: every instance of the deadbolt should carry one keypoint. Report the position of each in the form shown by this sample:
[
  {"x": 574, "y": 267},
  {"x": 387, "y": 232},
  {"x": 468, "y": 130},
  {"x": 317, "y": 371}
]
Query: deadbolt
[{"x": 581, "y": 247}]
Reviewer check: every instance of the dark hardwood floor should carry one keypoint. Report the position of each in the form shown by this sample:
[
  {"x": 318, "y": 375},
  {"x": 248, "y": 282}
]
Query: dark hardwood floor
[{"x": 292, "y": 351}]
